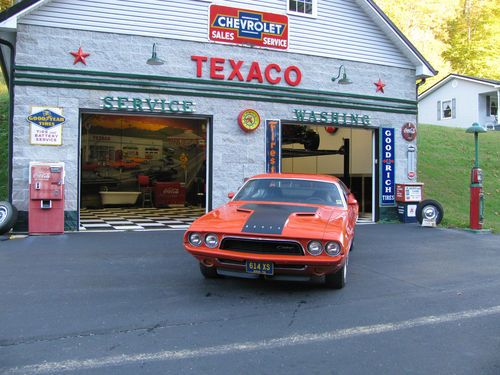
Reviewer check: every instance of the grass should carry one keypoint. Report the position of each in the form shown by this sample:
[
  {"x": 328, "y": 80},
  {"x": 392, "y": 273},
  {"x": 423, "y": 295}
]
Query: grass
[{"x": 445, "y": 158}]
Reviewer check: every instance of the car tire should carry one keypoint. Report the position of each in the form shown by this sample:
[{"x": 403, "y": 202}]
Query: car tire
[
  {"x": 208, "y": 272},
  {"x": 311, "y": 143},
  {"x": 430, "y": 209},
  {"x": 8, "y": 216},
  {"x": 338, "y": 279}
]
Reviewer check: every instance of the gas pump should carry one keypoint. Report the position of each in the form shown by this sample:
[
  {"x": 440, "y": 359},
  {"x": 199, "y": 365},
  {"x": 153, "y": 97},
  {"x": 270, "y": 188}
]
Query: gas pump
[
  {"x": 46, "y": 208},
  {"x": 476, "y": 199},
  {"x": 476, "y": 186}
]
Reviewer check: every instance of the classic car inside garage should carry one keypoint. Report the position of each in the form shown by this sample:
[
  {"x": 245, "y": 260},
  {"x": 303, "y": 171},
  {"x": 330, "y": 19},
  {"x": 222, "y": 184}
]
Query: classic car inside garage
[{"x": 141, "y": 171}]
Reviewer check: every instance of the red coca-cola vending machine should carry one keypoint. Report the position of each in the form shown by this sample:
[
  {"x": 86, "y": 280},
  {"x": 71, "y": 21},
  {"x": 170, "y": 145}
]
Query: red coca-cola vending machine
[{"x": 46, "y": 207}]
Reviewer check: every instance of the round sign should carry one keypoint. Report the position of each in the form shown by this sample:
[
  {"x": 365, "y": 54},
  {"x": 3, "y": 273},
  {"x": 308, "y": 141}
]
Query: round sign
[
  {"x": 249, "y": 120},
  {"x": 331, "y": 129},
  {"x": 409, "y": 131}
]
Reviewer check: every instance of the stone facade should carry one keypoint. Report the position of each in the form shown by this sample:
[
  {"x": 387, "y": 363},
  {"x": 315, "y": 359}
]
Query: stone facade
[{"x": 236, "y": 154}]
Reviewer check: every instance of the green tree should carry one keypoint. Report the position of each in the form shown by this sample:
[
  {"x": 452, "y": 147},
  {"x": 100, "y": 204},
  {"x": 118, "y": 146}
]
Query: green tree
[
  {"x": 420, "y": 22},
  {"x": 4, "y": 4},
  {"x": 472, "y": 39}
]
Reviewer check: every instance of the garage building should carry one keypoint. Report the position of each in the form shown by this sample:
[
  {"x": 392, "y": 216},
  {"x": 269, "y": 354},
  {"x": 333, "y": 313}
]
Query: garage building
[{"x": 161, "y": 108}]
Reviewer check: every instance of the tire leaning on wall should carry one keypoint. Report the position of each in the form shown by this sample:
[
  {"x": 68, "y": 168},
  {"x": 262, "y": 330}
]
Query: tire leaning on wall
[
  {"x": 8, "y": 216},
  {"x": 430, "y": 209}
]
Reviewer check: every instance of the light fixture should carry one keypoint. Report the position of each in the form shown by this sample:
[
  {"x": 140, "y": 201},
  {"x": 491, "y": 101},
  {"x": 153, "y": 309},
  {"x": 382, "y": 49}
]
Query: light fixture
[
  {"x": 154, "y": 60},
  {"x": 344, "y": 80}
]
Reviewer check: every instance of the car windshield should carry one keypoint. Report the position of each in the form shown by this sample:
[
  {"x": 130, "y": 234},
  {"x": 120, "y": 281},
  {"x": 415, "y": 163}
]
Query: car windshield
[{"x": 291, "y": 191}]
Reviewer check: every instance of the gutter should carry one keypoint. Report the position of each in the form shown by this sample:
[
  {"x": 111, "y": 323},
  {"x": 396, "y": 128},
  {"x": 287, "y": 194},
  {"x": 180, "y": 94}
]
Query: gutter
[{"x": 10, "y": 85}]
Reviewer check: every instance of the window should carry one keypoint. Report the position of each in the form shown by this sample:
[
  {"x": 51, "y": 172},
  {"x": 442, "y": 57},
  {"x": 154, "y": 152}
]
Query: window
[
  {"x": 447, "y": 109},
  {"x": 303, "y": 7},
  {"x": 492, "y": 106}
]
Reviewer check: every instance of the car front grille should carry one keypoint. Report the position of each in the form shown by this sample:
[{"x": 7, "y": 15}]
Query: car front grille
[{"x": 259, "y": 246}]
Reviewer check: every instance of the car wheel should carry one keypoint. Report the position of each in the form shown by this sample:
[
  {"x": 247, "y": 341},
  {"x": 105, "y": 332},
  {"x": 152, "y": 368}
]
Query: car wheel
[
  {"x": 338, "y": 279},
  {"x": 208, "y": 272},
  {"x": 311, "y": 142},
  {"x": 431, "y": 210},
  {"x": 8, "y": 217}
]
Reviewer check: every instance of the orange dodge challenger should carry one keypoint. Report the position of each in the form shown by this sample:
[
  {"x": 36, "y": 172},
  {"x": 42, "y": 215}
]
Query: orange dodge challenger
[{"x": 280, "y": 226}]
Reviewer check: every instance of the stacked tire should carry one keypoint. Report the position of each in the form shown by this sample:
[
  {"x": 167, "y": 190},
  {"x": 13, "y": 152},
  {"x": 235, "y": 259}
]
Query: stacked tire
[{"x": 8, "y": 216}]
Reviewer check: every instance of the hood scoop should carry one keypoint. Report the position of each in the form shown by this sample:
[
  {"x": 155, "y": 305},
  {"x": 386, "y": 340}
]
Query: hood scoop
[
  {"x": 309, "y": 214},
  {"x": 240, "y": 209},
  {"x": 271, "y": 218}
]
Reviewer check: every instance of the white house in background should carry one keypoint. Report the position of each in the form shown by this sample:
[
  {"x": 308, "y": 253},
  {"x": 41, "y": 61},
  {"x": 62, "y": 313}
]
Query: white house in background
[{"x": 459, "y": 101}]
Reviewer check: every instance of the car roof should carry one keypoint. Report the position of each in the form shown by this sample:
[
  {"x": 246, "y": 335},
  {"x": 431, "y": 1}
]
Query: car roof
[{"x": 302, "y": 176}]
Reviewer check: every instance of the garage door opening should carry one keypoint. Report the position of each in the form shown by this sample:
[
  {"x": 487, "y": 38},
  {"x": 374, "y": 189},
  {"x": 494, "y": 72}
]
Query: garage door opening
[
  {"x": 346, "y": 153},
  {"x": 138, "y": 164}
]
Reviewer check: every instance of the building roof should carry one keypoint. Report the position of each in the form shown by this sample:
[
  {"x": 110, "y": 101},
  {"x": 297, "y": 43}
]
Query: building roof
[
  {"x": 488, "y": 82},
  {"x": 9, "y": 18}
]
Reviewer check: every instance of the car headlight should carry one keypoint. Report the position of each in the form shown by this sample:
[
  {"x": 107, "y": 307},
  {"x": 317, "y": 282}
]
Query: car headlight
[
  {"x": 195, "y": 239},
  {"x": 332, "y": 248},
  {"x": 314, "y": 248},
  {"x": 211, "y": 240}
]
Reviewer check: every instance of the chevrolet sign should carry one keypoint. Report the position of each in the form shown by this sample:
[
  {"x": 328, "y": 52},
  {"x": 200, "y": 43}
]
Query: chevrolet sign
[{"x": 242, "y": 26}]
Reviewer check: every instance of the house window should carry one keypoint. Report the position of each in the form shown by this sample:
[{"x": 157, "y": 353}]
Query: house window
[
  {"x": 493, "y": 108},
  {"x": 447, "y": 109},
  {"x": 303, "y": 7}
]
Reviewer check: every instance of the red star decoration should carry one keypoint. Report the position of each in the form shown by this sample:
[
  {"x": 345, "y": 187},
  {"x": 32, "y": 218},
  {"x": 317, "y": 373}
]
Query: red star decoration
[
  {"x": 380, "y": 86},
  {"x": 80, "y": 56}
]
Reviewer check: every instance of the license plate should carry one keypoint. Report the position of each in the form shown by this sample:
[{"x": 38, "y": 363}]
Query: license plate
[{"x": 263, "y": 268}]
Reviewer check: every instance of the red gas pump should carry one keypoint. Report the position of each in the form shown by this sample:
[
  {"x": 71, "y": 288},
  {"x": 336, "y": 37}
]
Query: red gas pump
[
  {"x": 476, "y": 199},
  {"x": 476, "y": 186},
  {"x": 46, "y": 208}
]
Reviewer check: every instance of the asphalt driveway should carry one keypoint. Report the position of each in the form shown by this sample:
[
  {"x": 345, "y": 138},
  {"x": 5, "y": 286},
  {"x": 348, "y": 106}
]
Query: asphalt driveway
[{"x": 418, "y": 301}]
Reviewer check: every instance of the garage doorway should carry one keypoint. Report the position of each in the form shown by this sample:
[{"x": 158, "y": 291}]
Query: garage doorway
[
  {"x": 347, "y": 153},
  {"x": 138, "y": 168}
]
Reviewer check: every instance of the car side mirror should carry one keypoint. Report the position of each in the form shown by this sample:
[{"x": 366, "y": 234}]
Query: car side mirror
[
  {"x": 230, "y": 195},
  {"x": 351, "y": 200}
]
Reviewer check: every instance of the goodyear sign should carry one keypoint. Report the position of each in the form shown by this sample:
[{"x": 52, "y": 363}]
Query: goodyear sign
[
  {"x": 241, "y": 26},
  {"x": 46, "y": 126}
]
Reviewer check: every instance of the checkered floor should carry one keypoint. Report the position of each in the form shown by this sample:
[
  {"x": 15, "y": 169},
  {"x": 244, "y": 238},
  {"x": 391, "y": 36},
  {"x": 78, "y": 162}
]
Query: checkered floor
[{"x": 112, "y": 219}]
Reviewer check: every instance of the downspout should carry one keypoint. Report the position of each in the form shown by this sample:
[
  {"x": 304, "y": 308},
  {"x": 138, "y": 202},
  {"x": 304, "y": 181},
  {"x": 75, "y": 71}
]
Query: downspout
[
  {"x": 10, "y": 85},
  {"x": 417, "y": 86}
]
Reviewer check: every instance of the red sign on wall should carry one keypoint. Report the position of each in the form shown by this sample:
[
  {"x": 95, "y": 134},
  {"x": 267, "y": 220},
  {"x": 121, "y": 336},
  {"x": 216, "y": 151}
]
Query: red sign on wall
[{"x": 242, "y": 26}]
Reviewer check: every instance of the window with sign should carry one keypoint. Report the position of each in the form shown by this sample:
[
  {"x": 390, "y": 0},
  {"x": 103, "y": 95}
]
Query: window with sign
[
  {"x": 447, "y": 109},
  {"x": 303, "y": 7},
  {"x": 492, "y": 106}
]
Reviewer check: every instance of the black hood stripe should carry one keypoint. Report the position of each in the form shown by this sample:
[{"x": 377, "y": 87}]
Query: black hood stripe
[{"x": 271, "y": 218}]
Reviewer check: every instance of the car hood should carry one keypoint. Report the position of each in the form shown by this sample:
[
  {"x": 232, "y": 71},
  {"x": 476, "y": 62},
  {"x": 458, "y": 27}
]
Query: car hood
[{"x": 273, "y": 219}]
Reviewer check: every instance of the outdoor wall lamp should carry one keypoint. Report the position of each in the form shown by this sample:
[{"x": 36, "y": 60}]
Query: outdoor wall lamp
[
  {"x": 154, "y": 60},
  {"x": 344, "y": 80}
]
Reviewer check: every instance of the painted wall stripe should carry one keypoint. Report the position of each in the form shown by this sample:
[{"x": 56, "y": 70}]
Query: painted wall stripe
[
  {"x": 206, "y": 94},
  {"x": 281, "y": 342},
  {"x": 251, "y": 86},
  {"x": 256, "y": 91}
]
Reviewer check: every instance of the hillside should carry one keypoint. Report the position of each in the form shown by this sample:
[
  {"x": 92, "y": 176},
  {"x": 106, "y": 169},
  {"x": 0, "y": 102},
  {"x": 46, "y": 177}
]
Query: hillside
[{"x": 445, "y": 158}]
